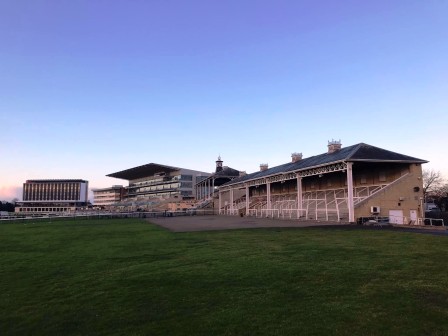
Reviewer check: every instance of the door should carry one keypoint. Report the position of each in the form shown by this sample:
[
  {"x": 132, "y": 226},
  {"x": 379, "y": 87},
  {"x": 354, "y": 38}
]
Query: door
[
  {"x": 396, "y": 216},
  {"x": 413, "y": 216}
]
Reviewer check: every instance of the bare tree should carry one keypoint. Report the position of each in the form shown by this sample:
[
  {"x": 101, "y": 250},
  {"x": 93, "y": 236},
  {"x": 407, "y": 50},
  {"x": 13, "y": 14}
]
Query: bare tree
[{"x": 432, "y": 180}]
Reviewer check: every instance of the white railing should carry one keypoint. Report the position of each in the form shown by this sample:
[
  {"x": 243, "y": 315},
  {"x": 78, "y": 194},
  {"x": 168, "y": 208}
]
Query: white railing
[{"x": 270, "y": 213}]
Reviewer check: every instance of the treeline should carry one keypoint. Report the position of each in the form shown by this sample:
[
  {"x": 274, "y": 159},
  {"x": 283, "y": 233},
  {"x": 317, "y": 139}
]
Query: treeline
[{"x": 6, "y": 206}]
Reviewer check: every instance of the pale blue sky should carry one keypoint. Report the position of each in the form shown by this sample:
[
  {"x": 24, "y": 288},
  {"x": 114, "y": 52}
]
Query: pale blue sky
[{"x": 92, "y": 87}]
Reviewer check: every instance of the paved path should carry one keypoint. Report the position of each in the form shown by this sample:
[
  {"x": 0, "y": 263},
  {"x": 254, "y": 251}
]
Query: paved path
[
  {"x": 205, "y": 223},
  {"x": 208, "y": 223}
]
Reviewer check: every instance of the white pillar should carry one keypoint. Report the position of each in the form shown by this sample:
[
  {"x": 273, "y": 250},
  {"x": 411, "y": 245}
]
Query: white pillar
[
  {"x": 219, "y": 202},
  {"x": 213, "y": 187},
  {"x": 299, "y": 196},
  {"x": 350, "y": 204},
  {"x": 268, "y": 195},
  {"x": 247, "y": 201},
  {"x": 231, "y": 201}
]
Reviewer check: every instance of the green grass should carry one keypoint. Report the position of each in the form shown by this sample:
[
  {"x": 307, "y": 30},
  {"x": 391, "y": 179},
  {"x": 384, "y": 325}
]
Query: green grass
[{"x": 128, "y": 277}]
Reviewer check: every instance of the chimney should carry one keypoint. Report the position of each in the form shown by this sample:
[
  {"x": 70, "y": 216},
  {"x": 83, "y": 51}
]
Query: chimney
[
  {"x": 242, "y": 173},
  {"x": 296, "y": 157},
  {"x": 334, "y": 146},
  {"x": 263, "y": 166}
]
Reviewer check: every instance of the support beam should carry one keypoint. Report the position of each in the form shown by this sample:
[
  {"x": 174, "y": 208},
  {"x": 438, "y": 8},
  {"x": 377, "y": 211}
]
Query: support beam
[
  {"x": 268, "y": 195},
  {"x": 350, "y": 202},
  {"x": 231, "y": 201},
  {"x": 247, "y": 201},
  {"x": 219, "y": 202},
  {"x": 299, "y": 197}
]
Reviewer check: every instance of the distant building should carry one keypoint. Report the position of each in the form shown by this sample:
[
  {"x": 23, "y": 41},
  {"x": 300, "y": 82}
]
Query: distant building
[
  {"x": 107, "y": 196},
  {"x": 53, "y": 196},
  {"x": 158, "y": 182},
  {"x": 206, "y": 188}
]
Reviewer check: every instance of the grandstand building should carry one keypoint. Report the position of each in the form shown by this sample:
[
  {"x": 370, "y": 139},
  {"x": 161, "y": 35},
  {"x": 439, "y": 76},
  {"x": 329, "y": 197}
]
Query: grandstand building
[
  {"x": 344, "y": 184},
  {"x": 105, "y": 197},
  {"x": 152, "y": 183},
  {"x": 207, "y": 186},
  {"x": 53, "y": 196}
]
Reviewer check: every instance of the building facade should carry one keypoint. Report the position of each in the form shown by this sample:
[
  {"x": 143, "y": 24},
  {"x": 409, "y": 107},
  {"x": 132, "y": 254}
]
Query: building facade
[
  {"x": 105, "y": 197},
  {"x": 152, "y": 183},
  {"x": 50, "y": 196},
  {"x": 344, "y": 184}
]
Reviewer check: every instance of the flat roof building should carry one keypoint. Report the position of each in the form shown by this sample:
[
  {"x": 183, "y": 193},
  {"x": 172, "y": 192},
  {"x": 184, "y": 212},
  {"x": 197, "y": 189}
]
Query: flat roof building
[
  {"x": 104, "y": 197},
  {"x": 53, "y": 195}
]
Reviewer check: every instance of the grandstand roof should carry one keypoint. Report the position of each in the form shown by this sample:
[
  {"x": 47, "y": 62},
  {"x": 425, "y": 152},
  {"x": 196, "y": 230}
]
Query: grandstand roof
[
  {"x": 357, "y": 153},
  {"x": 226, "y": 171},
  {"x": 143, "y": 171}
]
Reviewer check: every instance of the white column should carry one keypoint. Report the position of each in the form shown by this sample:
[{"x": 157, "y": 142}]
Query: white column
[
  {"x": 247, "y": 201},
  {"x": 299, "y": 196},
  {"x": 203, "y": 190},
  {"x": 231, "y": 201},
  {"x": 350, "y": 204},
  {"x": 213, "y": 187},
  {"x": 268, "y": 195},
  {"x": 219, "y": 202}
]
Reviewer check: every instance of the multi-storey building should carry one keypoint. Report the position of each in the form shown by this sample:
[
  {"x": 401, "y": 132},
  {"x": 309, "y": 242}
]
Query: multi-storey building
[
  {"x": 107, "y": 196},
  {"x": 48, "y": 196},
  {"x": 156, "y": 181}
]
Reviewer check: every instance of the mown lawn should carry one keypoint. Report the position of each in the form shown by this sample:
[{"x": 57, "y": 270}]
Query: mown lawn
[{"x": 129, "y": 277}]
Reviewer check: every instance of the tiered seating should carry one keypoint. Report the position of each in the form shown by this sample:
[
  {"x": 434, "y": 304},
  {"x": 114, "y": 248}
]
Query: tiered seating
[{"x": 323, "y": 205}]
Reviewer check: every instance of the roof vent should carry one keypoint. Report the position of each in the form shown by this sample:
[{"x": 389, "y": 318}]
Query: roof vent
[
  {"x": 263, "y": 166},
  {"x": 334, "y": 146},
  {"x": 296, "y": 157}
]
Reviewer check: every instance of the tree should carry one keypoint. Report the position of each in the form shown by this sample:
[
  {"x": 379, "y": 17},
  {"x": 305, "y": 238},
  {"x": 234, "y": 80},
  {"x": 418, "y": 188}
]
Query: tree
[
  {"x": 432, "y": 180},
  {"x": 440, "y": 195}
]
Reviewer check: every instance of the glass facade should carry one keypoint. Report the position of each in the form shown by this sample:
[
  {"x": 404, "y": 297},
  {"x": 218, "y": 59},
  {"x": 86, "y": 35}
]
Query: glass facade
[
  {"x": 48, "y": 190},
  {"x": 162, "y": 186}
]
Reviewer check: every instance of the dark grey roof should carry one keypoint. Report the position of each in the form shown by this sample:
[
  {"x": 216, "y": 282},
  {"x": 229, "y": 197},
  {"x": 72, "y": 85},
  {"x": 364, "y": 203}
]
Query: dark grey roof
[
  {"x": 359, "y": 152},
  {"x": 143, "y": 171},
  {"x": 227, "y": 171}
]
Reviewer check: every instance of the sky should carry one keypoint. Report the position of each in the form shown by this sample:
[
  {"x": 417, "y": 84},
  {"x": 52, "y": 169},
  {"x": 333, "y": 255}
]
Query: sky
[{"x": 89, "y": 87}]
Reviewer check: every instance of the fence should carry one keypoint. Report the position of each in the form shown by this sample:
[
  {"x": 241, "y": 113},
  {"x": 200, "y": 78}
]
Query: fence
[{"x": 104, "y": 215}]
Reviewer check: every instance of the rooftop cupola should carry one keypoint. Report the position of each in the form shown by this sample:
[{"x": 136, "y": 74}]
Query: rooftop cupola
[
  {"x": 334, "y": 146},
  {"x": 218, "y": 164}
]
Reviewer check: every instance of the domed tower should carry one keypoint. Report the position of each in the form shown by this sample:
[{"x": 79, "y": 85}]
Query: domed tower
[{"x": 218, "y": 164}]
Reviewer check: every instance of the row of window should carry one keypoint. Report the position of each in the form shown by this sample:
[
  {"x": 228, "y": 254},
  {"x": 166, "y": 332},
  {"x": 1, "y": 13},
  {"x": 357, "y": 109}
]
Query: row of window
[
  {"x": 51, "y": 191},
  {"x": 44, "y": 209}
]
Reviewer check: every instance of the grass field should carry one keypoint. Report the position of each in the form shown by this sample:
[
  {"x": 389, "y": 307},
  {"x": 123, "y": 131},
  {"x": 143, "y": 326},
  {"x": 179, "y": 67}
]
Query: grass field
[{"x": 129, "y": 277}]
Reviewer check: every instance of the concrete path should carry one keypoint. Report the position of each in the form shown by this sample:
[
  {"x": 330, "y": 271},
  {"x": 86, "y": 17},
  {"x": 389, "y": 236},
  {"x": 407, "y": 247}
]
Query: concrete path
[{"x": 208, "y": 223}]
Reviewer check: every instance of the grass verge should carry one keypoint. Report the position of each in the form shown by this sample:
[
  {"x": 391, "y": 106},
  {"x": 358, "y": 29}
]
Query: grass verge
[{"x": 129, "y": 277}]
